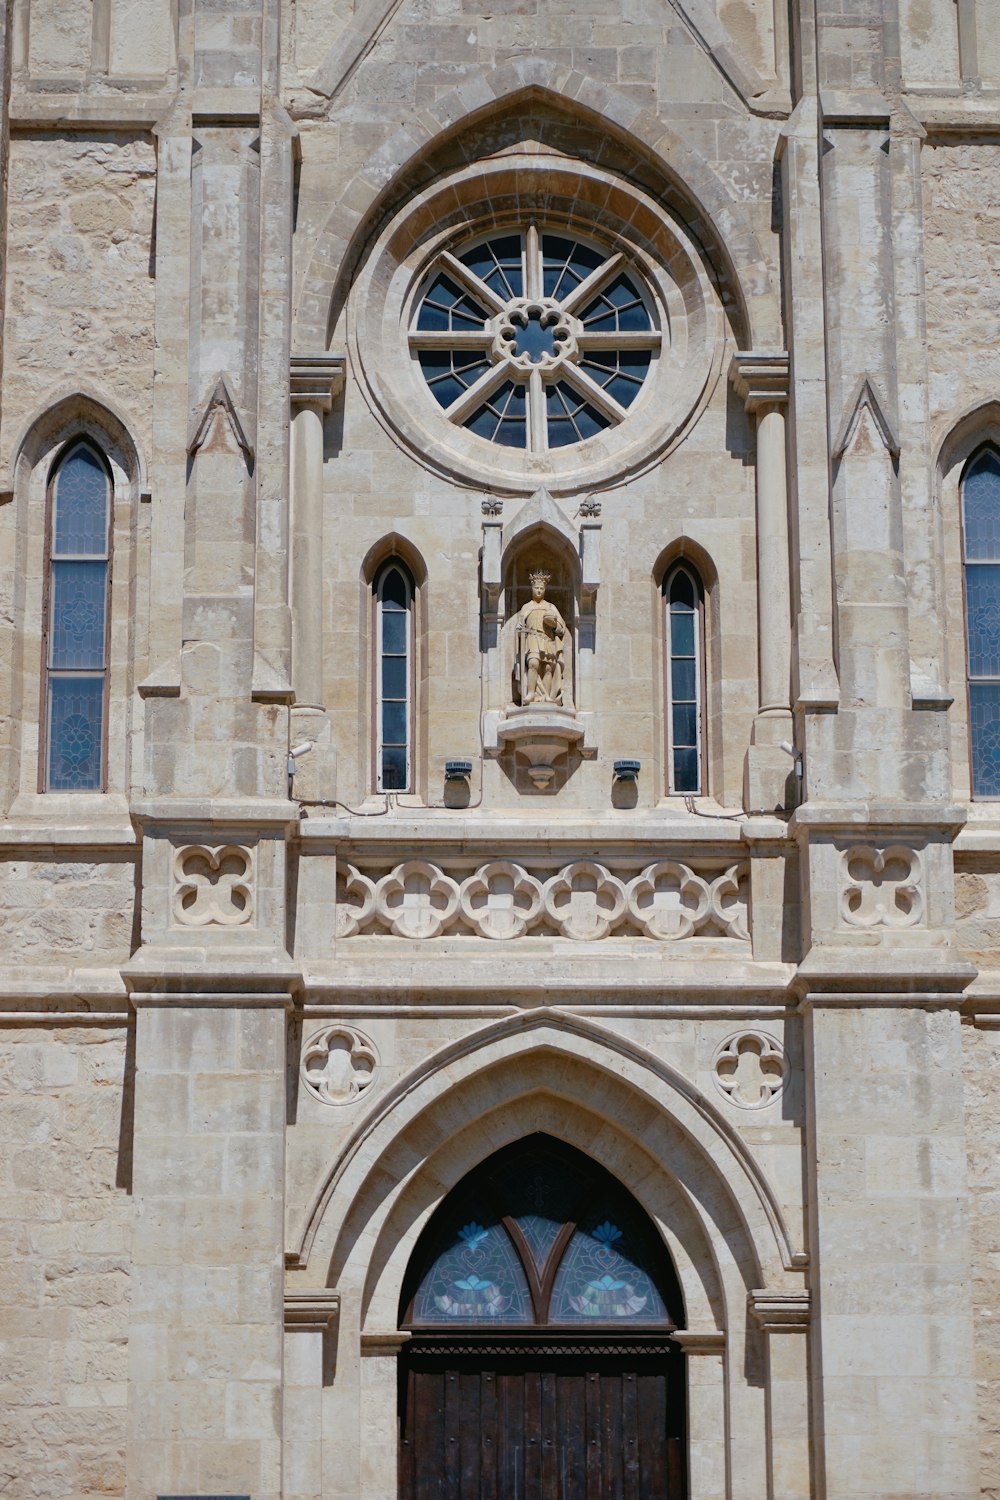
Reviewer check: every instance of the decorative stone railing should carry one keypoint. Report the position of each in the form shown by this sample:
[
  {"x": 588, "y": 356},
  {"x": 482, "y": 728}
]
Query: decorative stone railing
[{"x": 501, "y": 899}]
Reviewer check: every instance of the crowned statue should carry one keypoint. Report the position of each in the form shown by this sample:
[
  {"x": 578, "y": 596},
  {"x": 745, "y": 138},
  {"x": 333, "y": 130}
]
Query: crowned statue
[{"x": 541, "y": 637}]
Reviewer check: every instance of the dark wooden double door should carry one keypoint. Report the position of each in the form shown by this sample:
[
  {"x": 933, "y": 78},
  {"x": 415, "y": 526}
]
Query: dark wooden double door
[{"x": 546, "y": 1423}]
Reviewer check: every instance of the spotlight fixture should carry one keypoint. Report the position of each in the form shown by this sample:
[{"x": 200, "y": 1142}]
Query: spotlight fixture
[
  {"x": 627, "y": 770},
  {"x": 457, "y": 770}
]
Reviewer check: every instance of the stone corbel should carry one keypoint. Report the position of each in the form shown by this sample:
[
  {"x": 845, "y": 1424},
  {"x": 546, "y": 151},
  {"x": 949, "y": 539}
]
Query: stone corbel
[
  {"x": 779, "y": 1312},
  {"x": 760, "y": 379},
  {"x": 312, "y": 1311},
  {"x": 700, "y": 1340}
]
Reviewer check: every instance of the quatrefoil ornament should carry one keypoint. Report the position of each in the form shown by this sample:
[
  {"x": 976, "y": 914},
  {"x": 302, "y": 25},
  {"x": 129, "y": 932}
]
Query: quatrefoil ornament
[
  {"x": 881, "y": 887},
  {"x": 750, "y": 1069},
  {"x": 338, "y": 1064},
  {"x": 213, "y": 886}
]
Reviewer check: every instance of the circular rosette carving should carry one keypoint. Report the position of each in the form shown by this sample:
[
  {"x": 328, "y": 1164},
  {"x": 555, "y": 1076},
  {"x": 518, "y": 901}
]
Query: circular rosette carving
[
  {"x": 881, "y": 887},
  {"x": 338, "y": 1064},
  {"x": 355, "y": 902},
  {"x": 585, "y": 901},
  {"x": 416, "y": 900},
  {"x": 750, "y": 1069},
  {"x": 668, "y": 900},
  {"x": 731, "y": 903},
  {"x": 501, "y": 900}
]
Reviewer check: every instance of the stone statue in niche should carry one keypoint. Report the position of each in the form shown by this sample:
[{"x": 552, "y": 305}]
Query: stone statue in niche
[{"x": 541, "y": 637}]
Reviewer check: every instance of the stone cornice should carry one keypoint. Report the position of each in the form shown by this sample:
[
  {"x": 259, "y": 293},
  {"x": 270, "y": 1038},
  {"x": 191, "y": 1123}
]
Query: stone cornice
[
  {"x": 779, "y": 1312},
  {"x": 760, "y": 379},
  {"x": 315, "y": 379}
]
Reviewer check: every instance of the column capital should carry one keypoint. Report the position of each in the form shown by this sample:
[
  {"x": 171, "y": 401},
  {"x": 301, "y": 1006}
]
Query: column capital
[
  {"x": 760, "y": 379},
  {"x": 316, "y": 378}
]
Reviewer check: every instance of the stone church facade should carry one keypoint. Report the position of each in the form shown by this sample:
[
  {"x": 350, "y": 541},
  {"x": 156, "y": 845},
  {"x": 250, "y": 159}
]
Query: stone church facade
[{"x": 499, "y": 749}]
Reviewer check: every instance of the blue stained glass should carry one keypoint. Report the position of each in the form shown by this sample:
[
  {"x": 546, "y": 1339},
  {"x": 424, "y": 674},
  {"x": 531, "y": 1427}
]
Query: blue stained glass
[
  {"x": 498, "y": 263},
  {"x": 393, "y": 630},
  {"x": 76, "y": 636},
  {"x": 540, "y": 1235},
  {"x": 683, "y": 679},
  {"x": 981, "y": 507},
  {"x": 984, "y": 706},
  {"x": 81, "y": 506},
  {"x": 450, "y": 372},
  {"x": 565, "y": 264},
  {"x": 75, "y": 733},
  {"x": 394, "y": 676},
  {"x": 686, "y": 777},
  {"x": 394, "y": 769},
  {"x": 535, "y": 338},
  {"x": 618, "y": 307},
  {"x": 601, "y": 1279},
  {"x": 685, "y": 725},
  {"x": 478, "y": 1279},
  {"x": 681, "y": 633},
  {"x": 982, "y": 597},
  {"x": 502, "y": 419},
  {"x": 394, "y": 723},
  {"x": 446, "y": 306}
]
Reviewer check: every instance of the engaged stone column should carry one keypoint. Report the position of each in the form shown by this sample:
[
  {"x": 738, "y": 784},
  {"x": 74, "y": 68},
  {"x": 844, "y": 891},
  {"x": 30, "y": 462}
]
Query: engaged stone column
[
  {"x": 761, "y": 382},
  {"x": 784, "y": 1319},
  {"x": 315, "y": 380}
]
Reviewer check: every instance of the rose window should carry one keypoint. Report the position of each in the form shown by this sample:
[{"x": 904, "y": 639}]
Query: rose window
[{"x": 534, "y": 340}]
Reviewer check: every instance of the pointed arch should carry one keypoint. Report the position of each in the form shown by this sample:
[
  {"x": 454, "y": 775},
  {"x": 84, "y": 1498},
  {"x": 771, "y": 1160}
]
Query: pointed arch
[
  {"x": 652, "y": 155},
  {"x": 483, "y": 1091}
]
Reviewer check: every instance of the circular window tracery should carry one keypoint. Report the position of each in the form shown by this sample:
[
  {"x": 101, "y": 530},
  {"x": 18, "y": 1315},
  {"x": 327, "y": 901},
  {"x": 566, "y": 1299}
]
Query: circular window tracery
[{"x": 534, "y": 340}]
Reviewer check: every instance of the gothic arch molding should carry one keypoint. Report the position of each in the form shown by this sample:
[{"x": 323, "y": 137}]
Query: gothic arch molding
[
  {"x": 79, "y": 412},
  {"x": 582, "y": 1064},
  {"x": 401, "y": 169}
]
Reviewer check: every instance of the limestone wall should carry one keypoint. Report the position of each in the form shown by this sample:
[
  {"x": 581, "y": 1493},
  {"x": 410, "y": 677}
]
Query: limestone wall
[
  {"x": 982, "y": 1115},
  {"x": 65, "y": 1223},
  {"x": 79, "y": 277},
  {"x": 75, "y": 911}
]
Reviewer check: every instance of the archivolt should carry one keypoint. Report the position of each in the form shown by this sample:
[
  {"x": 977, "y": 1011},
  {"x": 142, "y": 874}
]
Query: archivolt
[
  {"x": 648, "y": 1125},
  {"x": 75, "y": 412},
  {"x": 524, "y": 92}
]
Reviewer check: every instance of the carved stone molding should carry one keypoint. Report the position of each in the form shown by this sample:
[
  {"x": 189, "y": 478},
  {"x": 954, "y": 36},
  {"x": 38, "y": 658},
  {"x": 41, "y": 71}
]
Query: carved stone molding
[
  {"x": 881, "y": 887},
  {"x": 779, "y": 1312},
  {"x": 312, "y": 1311},
  {"x": 213, "y": 885},
  {"x": 750, "y": 1069},
  {"x": 338, "y": 1064},
  {"x": 583, "y": 901}
]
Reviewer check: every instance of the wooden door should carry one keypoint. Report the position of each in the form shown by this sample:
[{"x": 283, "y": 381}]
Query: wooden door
[{"x": 543, "y": 1422}]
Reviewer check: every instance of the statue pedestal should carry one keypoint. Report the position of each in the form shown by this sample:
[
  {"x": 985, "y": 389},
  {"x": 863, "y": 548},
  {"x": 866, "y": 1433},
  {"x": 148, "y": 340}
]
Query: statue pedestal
[{"x": 542, "y": 734}]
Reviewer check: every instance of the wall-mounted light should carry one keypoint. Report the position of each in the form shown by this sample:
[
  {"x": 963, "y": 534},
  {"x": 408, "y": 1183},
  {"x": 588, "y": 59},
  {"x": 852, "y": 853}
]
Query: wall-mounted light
[
  {"x": 457, "y": 770},
  {"x": 293, "y": 756},
  {"x": 627, "y": 770},
  {"x": 796, "y": 755}
]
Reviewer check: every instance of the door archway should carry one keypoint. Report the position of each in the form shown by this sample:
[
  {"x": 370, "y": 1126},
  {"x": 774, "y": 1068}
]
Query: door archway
[{"x": 539, "y": 1302}]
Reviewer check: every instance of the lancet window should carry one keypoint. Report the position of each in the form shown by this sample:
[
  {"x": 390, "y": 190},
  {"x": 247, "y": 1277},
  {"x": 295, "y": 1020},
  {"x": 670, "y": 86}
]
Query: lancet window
[
  {"x": 981, "y": 542},
  {"x": 77, "y": 618},
  {"x": 685, "y": 680},
  {"x": 393, "y": 678}
]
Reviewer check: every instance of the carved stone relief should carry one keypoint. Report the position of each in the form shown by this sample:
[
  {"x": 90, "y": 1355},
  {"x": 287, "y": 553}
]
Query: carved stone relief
[
  {"x": 881, "y": 887},
  {"x": 338, "y": 1064},
  {"x": 750, "y": 1069},
  {"x": 213, "y": 886},
  {"x": 666, "y": 901}
]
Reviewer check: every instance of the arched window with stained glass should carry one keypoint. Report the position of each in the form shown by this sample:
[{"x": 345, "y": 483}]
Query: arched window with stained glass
[
  {"x": 76, "y": 622},
  {"x": 541, "y": 1235},
  {"x": 685, "y": 680},
  {"x": 393, "y": 678},
  {"x": 981, "y": 555}
]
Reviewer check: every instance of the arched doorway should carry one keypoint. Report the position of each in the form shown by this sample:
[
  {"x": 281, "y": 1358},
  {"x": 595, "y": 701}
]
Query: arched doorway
[{"x": 539, "y": 1300}]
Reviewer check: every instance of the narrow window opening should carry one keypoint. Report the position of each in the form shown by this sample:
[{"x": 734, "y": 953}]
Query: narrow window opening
[
  {"x": 77, "y": 618},
  {"x": 394, "y": 680},
  {"x": 685, "y": 682},
  {"x": 981, "y": 541}
]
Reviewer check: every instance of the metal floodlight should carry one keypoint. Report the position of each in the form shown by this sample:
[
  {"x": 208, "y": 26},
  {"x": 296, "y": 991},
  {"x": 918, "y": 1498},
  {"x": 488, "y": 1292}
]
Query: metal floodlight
[
  {"x": 457, "y": 770},
  {"x": 627, "y": 770}
]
